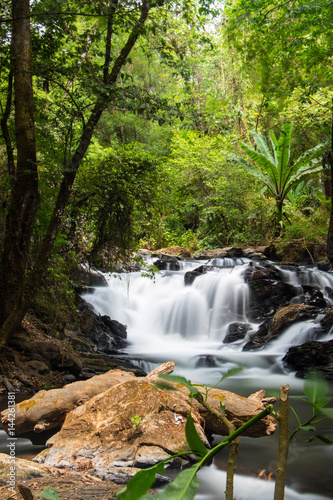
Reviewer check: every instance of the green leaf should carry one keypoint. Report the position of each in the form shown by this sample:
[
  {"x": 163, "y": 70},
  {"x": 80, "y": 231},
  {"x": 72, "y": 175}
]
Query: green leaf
[
  {"x": 193, "y": 438},
  {"x": 324, "y": 439},
  {"x": 263, "y": 146},
  {"x": 232, "y": 372},
  {"x": 50, "y": 494},
  {"x": 184, "y": 487},
  {"x": 328, "y": 412},
  {"x": 140, "y": 483},
  {"x": 180, "y": 380},
  {"x": 315, "y": 389},
  {"x": 166, "y": 387},
  {"x": 309, "y": 428}
]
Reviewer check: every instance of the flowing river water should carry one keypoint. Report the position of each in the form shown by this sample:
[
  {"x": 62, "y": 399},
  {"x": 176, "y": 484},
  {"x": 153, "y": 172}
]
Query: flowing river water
[{"x": 168, "y": 321}]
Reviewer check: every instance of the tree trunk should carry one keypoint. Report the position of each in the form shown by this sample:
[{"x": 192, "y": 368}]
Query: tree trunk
[
  {"x": 25, "y": 198},
  {"x": 329, "y": 161}
]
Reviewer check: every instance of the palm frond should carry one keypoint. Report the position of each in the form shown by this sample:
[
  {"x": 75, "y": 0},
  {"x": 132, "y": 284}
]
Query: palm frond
[
  {"x": 259, "y": 159},
  {"x": 263, "y": 146}
]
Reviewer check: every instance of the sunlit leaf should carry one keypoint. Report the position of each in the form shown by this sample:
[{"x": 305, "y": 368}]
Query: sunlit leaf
[
  {"x": 180, "y": 380},
  {"x": 184, "y": 487},
  {"x": 140, "y": 483},
  {"x": 193, "y": 438}
]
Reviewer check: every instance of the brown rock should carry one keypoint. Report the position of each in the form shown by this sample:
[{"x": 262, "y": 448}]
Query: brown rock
[{"x": 128, "y": 425}]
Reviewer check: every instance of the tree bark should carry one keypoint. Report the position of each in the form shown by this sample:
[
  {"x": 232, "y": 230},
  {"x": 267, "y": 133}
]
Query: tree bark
[
  {"x": 329, "y": 161},
  {"x": 25, "y": 197}
]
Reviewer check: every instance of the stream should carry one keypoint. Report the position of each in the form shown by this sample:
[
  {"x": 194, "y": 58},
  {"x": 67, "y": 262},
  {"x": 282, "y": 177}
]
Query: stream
[{"x": 168, "y": 321}]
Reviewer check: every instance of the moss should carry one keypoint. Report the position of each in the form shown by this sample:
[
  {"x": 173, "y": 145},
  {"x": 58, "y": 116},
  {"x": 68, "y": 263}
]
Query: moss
[{"x": 27, "y": 404}]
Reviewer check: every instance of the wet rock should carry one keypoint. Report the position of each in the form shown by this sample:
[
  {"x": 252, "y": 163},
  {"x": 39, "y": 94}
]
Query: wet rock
[
  {"x": 177, "y": 251},
  {"x": 190, "y": 276},
  {"x": 268, "y": 291},
  {"x": 311, "y": 356},
  {"x": 283, "y": 318},
  {"x": 206, "y": 361},
  {"x": 236, "y": 331},
  {"x": 101, "y": 331},
  {"x": 167, "y": 262},
  {"x": 313, "y": 296},
  {"x": 88, "y": 277}
]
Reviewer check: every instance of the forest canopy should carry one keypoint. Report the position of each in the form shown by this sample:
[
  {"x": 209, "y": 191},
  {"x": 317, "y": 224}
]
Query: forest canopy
[{"x": 121, "y": 122}]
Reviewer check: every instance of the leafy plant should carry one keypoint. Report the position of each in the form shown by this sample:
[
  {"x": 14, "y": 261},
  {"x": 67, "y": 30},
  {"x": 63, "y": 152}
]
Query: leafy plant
[
  {"x": 274, "y": 167},
  {"x": 136, "y": 420},
  {"x": 315, "y": 389}
]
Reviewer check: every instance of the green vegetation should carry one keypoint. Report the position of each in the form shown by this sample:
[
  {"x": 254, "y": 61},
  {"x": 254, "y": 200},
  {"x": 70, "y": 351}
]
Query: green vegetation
[{"x": 118, "y": 122}]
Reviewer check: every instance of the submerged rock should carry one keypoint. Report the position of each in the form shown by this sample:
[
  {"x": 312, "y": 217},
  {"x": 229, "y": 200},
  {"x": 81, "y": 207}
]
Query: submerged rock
[
  {"x": 236, "y": 331},
  {"x": 309, "y": 357}
]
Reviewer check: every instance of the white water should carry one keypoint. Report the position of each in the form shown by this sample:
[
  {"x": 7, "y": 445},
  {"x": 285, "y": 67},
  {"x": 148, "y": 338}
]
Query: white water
[{"x": 167, "y": 320}]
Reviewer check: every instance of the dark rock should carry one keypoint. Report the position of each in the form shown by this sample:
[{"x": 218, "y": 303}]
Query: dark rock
[
  {"x": 236, "y": 331},
  {"x": 206, "y": 361},
  {"x": 268, "y": 291},
  {"x": 313, "y": 296},
  {"x": 167, "y": 262},
  {"x": 38, "y": 366},
  {"x": 283, "y": 318},
  {"x": 88, "y": 277},
  {"x": 106, "y": 335},
  {"x": 191, "y": 275},
  {"x": 311, "y": 356}
]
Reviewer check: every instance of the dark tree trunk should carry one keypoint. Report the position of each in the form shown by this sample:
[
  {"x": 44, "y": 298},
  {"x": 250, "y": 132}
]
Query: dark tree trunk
[
  {"x": 24, "y": 198},
  {"x": 329, "y": 162}
]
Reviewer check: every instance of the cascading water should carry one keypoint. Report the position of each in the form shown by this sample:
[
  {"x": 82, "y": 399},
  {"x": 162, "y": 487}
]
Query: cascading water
[{"x": 167, "y": 320}]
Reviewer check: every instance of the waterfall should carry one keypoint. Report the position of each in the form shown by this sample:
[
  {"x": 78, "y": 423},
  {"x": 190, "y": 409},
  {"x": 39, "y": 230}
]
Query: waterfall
[{"x": 169, "y": 321}]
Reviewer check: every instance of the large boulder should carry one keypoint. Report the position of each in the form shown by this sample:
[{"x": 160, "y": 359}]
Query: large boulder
[
  {"x": 136, "y": 423},
  {"x": 167, "y": 263},
  {"x": 47, "y": 410},
  {"x": 268, "y": 291},
  {"x": 282, "y": 319},
  {"x": 309, "y": 357},
  {"x": 132, "y": 424}
]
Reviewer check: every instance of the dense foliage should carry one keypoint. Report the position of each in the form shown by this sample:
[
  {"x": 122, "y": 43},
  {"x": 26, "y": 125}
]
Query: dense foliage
[{"x": 138, "y": 109}]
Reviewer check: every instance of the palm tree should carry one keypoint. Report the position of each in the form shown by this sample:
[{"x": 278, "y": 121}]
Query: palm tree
[{"x": 274, "y": 169}]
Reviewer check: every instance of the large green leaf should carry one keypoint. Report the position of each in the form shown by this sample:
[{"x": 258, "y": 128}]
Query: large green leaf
[
  {"x": 263, "y": 146},
  {"x": 315, "y": 388},
  {"x": 184, "y": 487},
  {"x": 283, "y": 150},
  {"x": 262, "y": 162},
  {"x": 328, "y": 412},
  {"x": 255, "y": 172},
  {"x": 306, "y": 157},
  {"x": 179, "y": 380},
  {"x": 193, "y": 438},
  {"x": 140, "y": 483}
]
